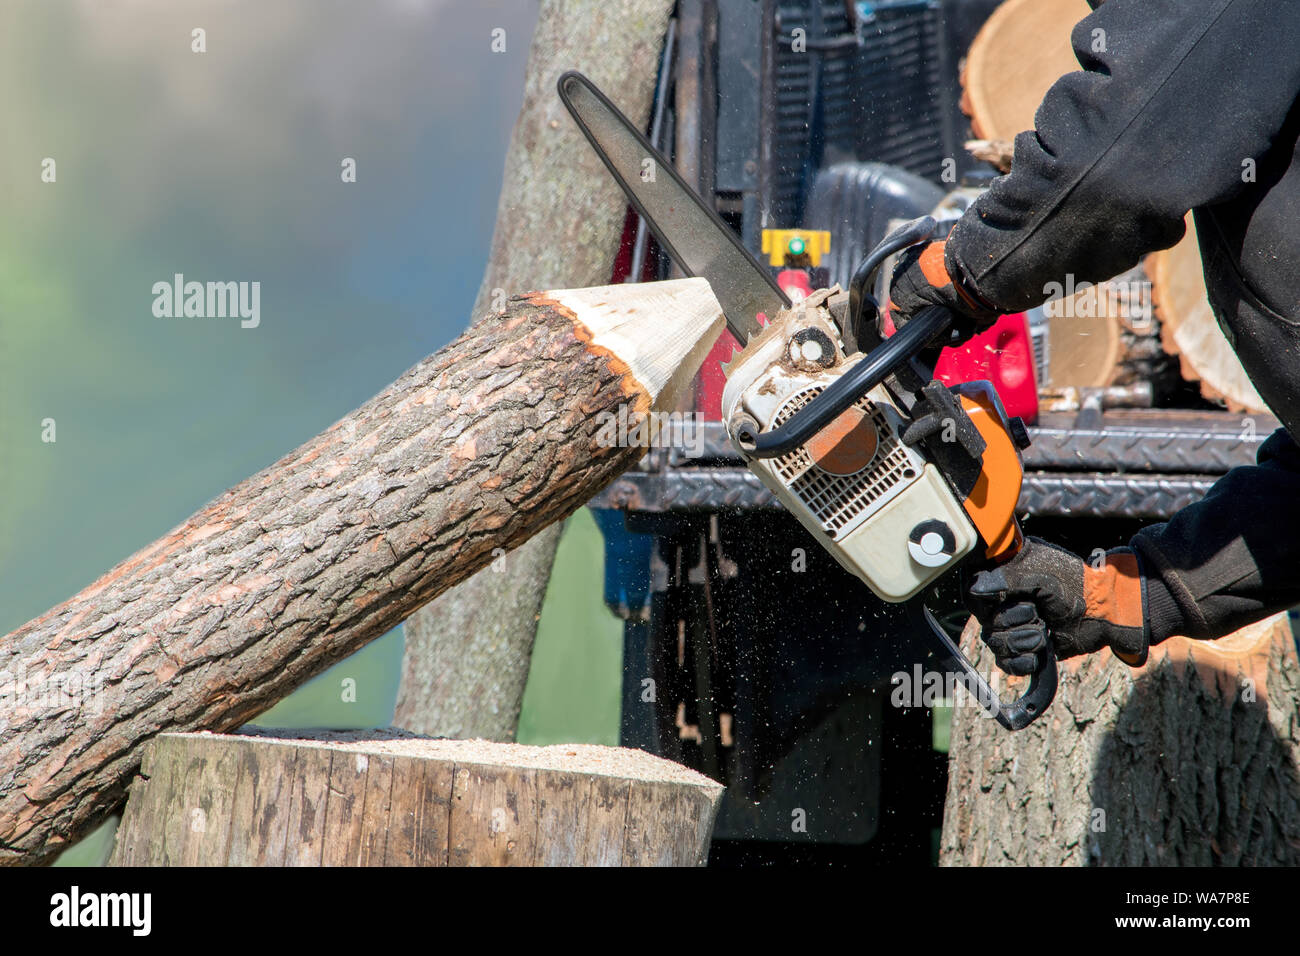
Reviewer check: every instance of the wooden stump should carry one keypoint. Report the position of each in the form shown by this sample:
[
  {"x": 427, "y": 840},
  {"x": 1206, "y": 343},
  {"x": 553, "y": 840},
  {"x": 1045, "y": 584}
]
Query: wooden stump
[
  {"x": 389, "y": 798},
  {"x": 505, "y": 431},
  {"x": 1190, "y": 760}
]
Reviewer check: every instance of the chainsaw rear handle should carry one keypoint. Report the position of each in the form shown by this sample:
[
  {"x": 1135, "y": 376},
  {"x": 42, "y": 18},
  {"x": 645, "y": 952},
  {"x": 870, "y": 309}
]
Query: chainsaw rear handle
[
  {"x": 1022, "y": 711},
  {"x": 1026, "y": 708},
  {"x": 1033, "y": 703}
]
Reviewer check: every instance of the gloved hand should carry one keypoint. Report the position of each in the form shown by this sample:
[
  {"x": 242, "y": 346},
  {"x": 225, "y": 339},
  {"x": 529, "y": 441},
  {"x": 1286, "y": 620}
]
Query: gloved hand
[
  {"x": 924, "y": 276},
  {"x": 1045, "y": 589}
]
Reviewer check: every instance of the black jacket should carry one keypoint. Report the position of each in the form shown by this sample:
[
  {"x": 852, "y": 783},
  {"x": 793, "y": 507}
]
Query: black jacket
[{"x": 1181, "y": 105}]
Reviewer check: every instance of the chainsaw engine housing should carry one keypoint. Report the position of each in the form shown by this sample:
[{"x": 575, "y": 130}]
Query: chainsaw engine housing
[{"x": 885, "y": 513}]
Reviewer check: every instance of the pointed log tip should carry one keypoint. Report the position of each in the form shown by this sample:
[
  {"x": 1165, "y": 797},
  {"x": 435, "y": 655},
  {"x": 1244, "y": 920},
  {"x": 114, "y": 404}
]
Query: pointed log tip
[{"x": 661, "y": 331}]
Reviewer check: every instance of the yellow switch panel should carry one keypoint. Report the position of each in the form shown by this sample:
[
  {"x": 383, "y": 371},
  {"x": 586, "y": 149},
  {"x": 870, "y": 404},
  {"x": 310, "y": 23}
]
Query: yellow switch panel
[{"x": 778, "y": 244}]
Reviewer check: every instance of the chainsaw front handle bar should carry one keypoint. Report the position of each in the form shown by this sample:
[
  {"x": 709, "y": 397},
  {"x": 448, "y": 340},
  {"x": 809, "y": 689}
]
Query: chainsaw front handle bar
[
  {"x": 908, "y": 234},
  {"x": 926, "y": 326}
]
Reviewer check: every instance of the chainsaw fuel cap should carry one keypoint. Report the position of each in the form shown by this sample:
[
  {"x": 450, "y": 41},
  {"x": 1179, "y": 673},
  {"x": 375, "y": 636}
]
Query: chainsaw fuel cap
[{"x": 931, "y": 543}]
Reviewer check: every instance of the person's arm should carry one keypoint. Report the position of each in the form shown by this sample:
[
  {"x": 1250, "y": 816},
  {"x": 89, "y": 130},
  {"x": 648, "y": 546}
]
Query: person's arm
[
  {"x": 1173, "y": 96},
  {"x": 1234, "y": 556},
  {"x": 1229, "y": 560}
]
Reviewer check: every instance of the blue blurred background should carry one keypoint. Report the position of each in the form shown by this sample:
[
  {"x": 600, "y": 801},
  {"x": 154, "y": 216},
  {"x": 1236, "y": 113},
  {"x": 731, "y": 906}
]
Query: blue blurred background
[{"x": 225, "y": 166}]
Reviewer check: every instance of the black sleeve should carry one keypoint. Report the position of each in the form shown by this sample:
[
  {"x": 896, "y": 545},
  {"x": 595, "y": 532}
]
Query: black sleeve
[
  {"x": 1173, "y": 96},
  {"x": 1234, "y": 556}
]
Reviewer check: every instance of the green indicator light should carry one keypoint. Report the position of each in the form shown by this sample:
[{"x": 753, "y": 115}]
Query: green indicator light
[{"x": 796, "y": 246}]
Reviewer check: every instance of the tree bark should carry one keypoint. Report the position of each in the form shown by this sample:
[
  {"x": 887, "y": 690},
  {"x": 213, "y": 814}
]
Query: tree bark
[
  {"x": 384, "y": 798},
  {"x": 996, "y": 152},
  {"x": 476, "y": 449},
  {"x": 559, "y": 222},
  {"x": 1189, "y": 760}
]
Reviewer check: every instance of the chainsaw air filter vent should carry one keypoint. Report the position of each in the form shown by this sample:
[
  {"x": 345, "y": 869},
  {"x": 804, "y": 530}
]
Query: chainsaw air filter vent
[{"x": 842, "y": 502}]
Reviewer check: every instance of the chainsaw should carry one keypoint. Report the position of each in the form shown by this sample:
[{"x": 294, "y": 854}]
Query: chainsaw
[{"x": 818, "y": 399}]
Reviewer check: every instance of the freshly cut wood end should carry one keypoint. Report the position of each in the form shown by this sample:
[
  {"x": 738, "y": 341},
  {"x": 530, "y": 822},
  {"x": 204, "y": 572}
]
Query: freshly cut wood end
[
  {"x": 621, "y": 762},
  {"x": 662, "y": 331},
  {"x": 1227, "y": 664},
  {"x": 1020, "y": 51}
]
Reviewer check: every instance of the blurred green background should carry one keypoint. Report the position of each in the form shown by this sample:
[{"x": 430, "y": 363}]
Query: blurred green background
[{"x": 225, "y": 166}]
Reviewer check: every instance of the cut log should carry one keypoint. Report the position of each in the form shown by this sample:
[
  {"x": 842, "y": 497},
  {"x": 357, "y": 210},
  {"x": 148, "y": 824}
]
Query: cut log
[
  {"x": 1189, "y": 760},
  {"x": 390, "y": 798},
  {"x": 559, "y": 221},
  {"x": 1018, "y": 54},
  {"x": 1106, "y": 335},
  {"x": 1022, "y": 49},
  {"x": 1189, "y": 330},
  {"x": 506, "y": 430},
  {"x": 1084, "y": 341}
]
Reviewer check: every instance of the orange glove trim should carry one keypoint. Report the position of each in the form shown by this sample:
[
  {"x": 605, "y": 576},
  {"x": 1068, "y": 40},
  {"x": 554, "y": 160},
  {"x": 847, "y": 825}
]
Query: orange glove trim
[
  {"x": 1113, "y": 592},
  {"x": 932, "y": 265}
]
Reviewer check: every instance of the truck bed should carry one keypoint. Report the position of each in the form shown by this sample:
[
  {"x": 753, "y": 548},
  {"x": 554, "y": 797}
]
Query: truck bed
[{"x": 1123, "y": 463}]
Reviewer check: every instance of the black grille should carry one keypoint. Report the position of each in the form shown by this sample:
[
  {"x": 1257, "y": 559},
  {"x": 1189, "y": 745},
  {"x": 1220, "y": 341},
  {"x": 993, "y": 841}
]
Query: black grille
[
  {"x": 884, "y": 100},
  {"x": 900, "y": 80},
  {"x": 792, "y": 112}
]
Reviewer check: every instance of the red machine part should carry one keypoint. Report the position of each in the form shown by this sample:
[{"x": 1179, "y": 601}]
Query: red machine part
[
  {"x": 1002, "y": 354},
  {"x": 711, "y": 380},
  {"x": 794, "y": 283}
]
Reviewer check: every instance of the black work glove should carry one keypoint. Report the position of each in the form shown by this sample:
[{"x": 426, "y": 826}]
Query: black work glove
[
  {"x": 924, "y": 276},
  {"x": 1046, "y": 590}
]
